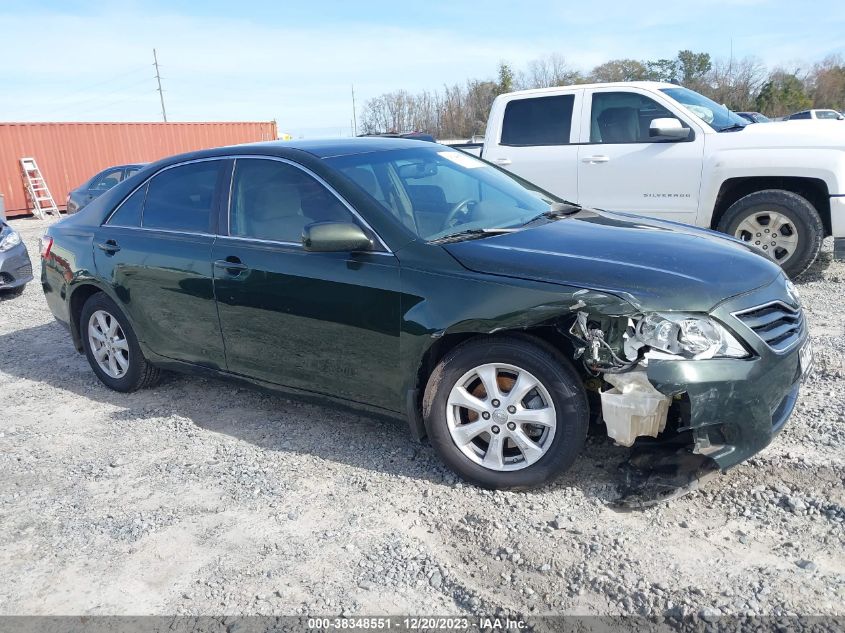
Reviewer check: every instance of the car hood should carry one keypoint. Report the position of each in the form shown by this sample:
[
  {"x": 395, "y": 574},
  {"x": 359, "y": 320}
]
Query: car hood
[
  {"x": 786, "y": 134},
  {"x": 655, "y": 265}
]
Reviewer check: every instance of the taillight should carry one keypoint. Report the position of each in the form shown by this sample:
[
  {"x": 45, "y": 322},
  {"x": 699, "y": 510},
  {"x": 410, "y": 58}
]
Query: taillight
[{"x": 46, "y": 245}]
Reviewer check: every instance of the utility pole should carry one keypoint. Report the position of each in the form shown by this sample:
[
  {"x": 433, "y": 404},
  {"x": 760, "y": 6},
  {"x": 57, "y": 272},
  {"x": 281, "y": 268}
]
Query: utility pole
[
  {"x": 160, "y": 91},
  {"x": 354, "y": 116}
]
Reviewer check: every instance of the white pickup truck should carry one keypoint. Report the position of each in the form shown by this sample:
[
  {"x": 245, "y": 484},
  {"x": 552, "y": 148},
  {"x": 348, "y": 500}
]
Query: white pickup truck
[{"x": 665, "y": 151}]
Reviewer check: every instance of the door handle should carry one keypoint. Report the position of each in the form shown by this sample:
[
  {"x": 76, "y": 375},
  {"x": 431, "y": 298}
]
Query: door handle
[
  {"x": 502, "y": 161},
  {"x": 232, "y": 265},
  {"x": 109, "y": 247},
  {"x": 594, "y": 160}
]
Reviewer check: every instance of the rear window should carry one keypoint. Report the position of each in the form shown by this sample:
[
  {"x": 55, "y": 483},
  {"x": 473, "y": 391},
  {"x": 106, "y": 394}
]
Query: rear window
[
  {"x": 129, "y": 211},
  {"x": 181, "y": 198},
  {"x": 538, "y": 121}
]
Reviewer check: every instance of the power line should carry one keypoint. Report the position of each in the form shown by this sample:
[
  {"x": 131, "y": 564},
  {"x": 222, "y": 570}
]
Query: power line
[
  {"x": 113, "y": 102},
  {"x": 122, "y": 87}
]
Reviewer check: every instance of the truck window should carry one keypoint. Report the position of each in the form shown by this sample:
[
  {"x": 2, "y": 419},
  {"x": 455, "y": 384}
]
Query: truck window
[
  {"x": 538, "y": 121},
  {"x": 624, "y": 117}
]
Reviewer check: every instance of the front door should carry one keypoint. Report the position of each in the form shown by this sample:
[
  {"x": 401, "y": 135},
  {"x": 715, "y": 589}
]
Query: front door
[
  {"x": 320, "y": 322},
  {"x": 621, "y": 167},
  {"x": 155, "y": 252}
]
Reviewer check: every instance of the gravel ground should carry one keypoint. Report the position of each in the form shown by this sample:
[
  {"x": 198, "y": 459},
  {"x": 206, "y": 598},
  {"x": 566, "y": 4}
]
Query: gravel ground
[{"x": 202, "y": 497}]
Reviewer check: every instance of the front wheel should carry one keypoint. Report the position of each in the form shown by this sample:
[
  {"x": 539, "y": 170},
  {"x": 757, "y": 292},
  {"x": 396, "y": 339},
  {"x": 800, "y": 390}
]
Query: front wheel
[
  {"x": 780, "y": 224},
  {"x": 506, "y": 412},
  {"x": 112, "y": 348}
]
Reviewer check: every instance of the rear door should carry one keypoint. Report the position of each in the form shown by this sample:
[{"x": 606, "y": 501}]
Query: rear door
[
  {"x": 535, "y": 136},
  {"x": 320, "y": 322},
  {"x": 155, "y": 252}
]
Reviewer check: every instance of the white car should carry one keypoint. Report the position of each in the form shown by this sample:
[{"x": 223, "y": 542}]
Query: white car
[
  {"x": 825, "y": 115},
  {"x": 665, "y": 151}
]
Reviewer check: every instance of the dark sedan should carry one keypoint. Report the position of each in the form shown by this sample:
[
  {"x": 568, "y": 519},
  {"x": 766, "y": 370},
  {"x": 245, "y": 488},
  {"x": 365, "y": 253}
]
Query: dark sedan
[
  {"x": 99, "y": 184},
  {"x": 412, "y": 280},
  {"x": 15, "y": 267}
]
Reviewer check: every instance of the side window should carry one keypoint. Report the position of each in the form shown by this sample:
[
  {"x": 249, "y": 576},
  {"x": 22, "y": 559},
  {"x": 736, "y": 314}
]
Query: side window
[
  {"x": 624, "y": 117},
  {"x": 800, "y": 115},
  {"x": 107, "y": 180},
  {"x": 129, "y": 212},
  {"x": 538, "y": 121},
  {"x": 272, "y": 200},
  {"x": 181, "y": 198},
  {"x": 827, "y": 114}
]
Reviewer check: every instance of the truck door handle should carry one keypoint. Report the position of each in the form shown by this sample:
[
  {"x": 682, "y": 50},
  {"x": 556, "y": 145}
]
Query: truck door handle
[
  {"x": 502, "y": 161},
  {"x": 109, "y": 247},
  {"x": 233, "y": 265},
  {"x": 594, "y": 160}
]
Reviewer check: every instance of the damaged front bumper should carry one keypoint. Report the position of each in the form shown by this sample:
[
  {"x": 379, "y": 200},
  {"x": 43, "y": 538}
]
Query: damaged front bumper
[{"x": 737, "y": 406}]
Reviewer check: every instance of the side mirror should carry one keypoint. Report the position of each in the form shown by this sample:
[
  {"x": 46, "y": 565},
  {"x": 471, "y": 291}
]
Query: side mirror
[
  {"x": 668, "y": 128},
  {"x": 331, "y": 237}
]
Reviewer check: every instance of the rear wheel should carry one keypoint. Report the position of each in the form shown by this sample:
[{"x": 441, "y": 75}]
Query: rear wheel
[
  {"x": 780, "y": 224},
  {"x": 506, "y": 412},
  {"x": 112, "y": 348}
]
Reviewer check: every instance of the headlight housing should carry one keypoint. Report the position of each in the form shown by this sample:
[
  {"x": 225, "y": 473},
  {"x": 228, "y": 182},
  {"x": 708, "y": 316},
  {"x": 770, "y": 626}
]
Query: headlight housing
[
  {"x": 691, "y": 336},
  {"x": 9, "y": 240}
]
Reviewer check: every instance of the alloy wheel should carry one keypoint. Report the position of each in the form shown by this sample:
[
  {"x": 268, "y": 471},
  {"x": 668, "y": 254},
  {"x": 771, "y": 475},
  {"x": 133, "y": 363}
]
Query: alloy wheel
[
  {"x": 501, "y": 417},
  {"x": 771, "y": 233},
  {"x": 108, "y": 344}
]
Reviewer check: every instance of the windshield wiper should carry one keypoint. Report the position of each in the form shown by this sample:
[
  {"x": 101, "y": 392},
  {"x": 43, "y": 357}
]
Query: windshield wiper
[
  {"x": 732, "y": 127},
  {"x": 556, "y": 211},
  {"x": 470, "y": 233}
]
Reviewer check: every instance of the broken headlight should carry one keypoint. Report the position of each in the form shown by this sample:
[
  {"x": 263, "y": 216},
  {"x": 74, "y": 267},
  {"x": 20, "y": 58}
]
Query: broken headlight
[{"x": 688, "y": 336}]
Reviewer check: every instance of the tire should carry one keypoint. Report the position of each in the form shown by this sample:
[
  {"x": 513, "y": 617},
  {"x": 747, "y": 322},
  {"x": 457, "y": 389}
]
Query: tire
[
  {"x": 12, "y": 293},
  {"x": 133, "y": 370},
  {"x": 512, "y": 357},
  {"x": 746, "y": 219}
]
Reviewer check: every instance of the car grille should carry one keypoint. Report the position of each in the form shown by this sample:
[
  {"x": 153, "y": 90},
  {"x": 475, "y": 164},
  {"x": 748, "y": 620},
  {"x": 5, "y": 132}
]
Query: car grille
[
  {"x": 25, "y": 270},
  {"x": 779, "y": 325}
]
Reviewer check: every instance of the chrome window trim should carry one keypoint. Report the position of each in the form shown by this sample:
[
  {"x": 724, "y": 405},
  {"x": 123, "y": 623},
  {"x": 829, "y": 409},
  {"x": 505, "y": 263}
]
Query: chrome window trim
[
  {"x": 777, "y": 302},
  {"x": 297, "y": 245},
  {"x": 144, "y": 183},
  {"x": 319, "y": 179}
]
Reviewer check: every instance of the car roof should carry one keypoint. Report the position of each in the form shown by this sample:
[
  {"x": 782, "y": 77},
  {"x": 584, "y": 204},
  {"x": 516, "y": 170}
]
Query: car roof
[
  {"x": 325, "y": 148},
  {"x": 657, "y": 85}
]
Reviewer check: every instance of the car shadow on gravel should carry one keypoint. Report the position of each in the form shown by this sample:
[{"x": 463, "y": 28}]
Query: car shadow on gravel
[{"x": 269, "y": 421}]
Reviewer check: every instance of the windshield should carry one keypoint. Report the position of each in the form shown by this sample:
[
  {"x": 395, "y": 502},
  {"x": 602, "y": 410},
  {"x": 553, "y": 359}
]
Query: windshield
[
  {"x": 436, "y": 191},
  {"x": 716, "y": 116}
]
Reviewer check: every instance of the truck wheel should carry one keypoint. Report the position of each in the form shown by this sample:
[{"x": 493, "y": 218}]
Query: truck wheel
[
  {"x": 780, "y": 224},
  {"x": 506, "y": 412}
]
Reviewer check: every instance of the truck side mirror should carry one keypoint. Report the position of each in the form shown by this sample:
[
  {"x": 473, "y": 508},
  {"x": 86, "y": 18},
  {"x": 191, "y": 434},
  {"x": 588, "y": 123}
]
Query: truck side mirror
[{"x": 668, "y": 128}]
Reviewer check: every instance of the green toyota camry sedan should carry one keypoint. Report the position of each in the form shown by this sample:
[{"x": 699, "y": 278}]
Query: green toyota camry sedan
[{"x": 413, "y": 280}]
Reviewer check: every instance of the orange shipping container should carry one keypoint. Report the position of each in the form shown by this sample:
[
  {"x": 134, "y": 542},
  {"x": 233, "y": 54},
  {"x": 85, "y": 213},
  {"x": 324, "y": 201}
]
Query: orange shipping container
[{"x": 68, "y": 154}]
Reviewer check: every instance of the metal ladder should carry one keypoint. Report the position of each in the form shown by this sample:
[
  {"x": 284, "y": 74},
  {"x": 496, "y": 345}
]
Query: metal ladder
[{"x": 37, "y": 190}]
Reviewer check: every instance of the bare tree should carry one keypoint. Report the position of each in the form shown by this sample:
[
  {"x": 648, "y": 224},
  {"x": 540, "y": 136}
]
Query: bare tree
[
  {"x": 826, "y": 83},
  {"x": 548, "y": 71},
  {"x": 735, "y": 82}
]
